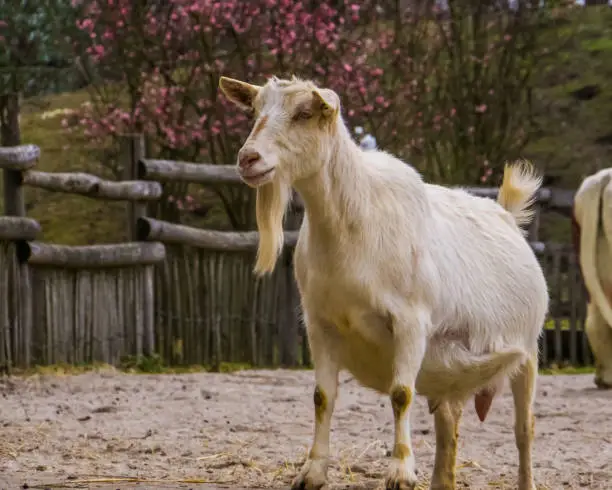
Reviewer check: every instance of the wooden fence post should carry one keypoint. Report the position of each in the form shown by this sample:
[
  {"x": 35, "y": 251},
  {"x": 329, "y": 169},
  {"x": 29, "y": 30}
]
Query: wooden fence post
[
  {"x": 20, "y": 312},
  {"x": 288, "y": 333},
  {"x": 290, "y": 327},
  {"x": 14, "y": 204},
  {"x": 132, "y": 150}
]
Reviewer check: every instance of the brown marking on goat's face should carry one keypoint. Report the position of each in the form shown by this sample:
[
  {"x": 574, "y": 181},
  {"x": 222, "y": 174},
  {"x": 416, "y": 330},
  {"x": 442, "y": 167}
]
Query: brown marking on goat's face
[
  {"x": 307, "y": 106},
  {"x": 320, "y": 403},
  {"x": 401, "y": 451},
  {"x": 261, "y": 123},
  {"x": 287, "y": 139},
  {"x": 401, "y": 397},
  {"x": 303, "y": 111}
]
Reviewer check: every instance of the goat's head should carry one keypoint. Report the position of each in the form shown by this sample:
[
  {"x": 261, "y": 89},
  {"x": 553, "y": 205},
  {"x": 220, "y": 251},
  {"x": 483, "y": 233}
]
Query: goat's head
[
  {"x": 291, "y": 140},
  {"x": 293, "y": 119}
]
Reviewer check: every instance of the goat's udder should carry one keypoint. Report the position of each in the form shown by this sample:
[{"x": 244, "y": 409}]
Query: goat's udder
[{"x": 482, "y": 402}]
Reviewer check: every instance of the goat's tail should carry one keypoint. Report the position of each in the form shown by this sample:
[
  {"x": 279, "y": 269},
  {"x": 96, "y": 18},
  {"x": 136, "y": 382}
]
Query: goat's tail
[
  {"x": 455, "y": 373},
  {"x": 518, "y": 189}
]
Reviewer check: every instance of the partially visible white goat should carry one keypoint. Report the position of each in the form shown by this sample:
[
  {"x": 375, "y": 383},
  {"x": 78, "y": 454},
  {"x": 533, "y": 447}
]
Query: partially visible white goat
[
  {"x": 409, "y": 286},
  {"x": 593, "y": 216}
]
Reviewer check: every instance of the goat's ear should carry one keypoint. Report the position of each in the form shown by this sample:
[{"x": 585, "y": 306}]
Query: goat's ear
[
  {"x": 240, "y": 93},
  {"x": 326, "y": 101}
]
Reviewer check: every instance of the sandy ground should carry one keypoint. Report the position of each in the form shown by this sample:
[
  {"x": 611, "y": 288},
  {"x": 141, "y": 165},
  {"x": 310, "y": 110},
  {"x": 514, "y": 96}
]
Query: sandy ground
[{"x": 252, "y": 429}]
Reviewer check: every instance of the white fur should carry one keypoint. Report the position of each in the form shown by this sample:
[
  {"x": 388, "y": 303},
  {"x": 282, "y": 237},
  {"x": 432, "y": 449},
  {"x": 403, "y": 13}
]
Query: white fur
[
  {"x": 593, "y": 213},
  {"x": 403, "y": 283}
]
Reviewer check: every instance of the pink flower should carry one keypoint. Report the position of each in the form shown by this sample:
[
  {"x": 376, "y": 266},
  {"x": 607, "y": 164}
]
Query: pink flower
[{"x": 166, "y": 70}]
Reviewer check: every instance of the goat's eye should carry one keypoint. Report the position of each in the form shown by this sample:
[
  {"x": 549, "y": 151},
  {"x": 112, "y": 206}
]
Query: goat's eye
[{"x": 302, "y": 115}]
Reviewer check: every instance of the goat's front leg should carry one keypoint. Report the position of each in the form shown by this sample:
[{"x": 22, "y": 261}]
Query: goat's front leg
[
  {"x": 409, "y": 340},
  {"x": 313, "y": 474}
]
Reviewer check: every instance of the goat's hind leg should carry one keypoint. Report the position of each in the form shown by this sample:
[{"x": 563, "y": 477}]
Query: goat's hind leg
[
  {"x": 523, "y": 390},
  {"x": 599, "y": 334},
  {"x": 447, "y": 417}
]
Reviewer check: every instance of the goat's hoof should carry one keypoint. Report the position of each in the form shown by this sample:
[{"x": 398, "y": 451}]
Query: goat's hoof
[
  {"x": 400, "y": 477},
  {"x": 601, "y": 384},
  {"x": 442, "y": 486},
  {"x": 530, "y": 486},
  {"x": 443, "y": 481},
  {"x": 312, "y": 476}
]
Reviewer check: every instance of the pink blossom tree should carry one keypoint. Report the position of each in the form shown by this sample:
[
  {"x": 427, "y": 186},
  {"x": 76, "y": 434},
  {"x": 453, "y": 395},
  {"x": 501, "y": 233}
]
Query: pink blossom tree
[
  {"x": 447, "y": 89},
  {"x": 156, "y": 67}
]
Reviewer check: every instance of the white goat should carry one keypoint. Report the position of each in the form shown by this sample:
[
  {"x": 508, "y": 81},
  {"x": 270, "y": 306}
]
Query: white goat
[
  {"x": 409, "y": 286},
  {"x": 593, "y": 215}
]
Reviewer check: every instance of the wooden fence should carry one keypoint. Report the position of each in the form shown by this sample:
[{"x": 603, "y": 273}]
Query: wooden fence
[
  {"x": 71, "y": 304},
  {"x": 187, "y": 294}
]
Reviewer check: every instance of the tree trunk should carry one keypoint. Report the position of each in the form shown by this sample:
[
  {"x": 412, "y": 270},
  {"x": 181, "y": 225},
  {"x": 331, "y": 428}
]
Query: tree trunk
[{"x": 9, "y": 120}]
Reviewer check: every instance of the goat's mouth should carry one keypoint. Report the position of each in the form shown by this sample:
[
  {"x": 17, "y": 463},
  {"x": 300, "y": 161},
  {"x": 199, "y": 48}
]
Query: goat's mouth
[{"x": 257, "y": 179}]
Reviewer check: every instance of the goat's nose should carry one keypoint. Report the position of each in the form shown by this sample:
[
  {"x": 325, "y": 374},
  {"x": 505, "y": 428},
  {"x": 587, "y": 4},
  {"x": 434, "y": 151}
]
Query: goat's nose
[{"x": 248, "y": 158}]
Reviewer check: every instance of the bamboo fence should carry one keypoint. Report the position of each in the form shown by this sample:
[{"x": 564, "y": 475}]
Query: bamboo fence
[{"x": 184, "y": 293}]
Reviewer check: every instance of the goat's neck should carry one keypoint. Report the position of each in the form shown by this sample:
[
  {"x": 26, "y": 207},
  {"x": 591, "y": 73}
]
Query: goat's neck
[{"x": 335, "y": 191}]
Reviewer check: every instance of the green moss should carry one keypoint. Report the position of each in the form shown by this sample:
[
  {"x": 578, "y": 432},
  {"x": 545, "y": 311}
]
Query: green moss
[
  {"x": 570, "y": 142},
  {"x": 597, "y": 46},
  {"x": 132, "y": 365},
  {"x": 567, "y": 370},
  {"x": 67, "y": 219},
  {"x": 154, "y": 365},
  {"x": 564, "y": 323}
]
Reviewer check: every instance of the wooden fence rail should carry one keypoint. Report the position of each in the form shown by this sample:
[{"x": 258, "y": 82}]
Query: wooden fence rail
[
  {"x": 185, "y": 293},
  {"x": 72, "y": 304}
]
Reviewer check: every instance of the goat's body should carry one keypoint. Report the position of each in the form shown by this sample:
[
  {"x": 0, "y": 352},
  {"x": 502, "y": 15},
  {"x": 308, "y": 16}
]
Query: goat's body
[
  {"x": 593, "y": 219},
  {"x": 462, "y": 255},
  {"x": 409, "y": 286}
]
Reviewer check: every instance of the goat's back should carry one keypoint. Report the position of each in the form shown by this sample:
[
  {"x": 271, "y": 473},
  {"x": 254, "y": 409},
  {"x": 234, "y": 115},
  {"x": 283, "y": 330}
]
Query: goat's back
[{"x": 492, "y": 283}]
